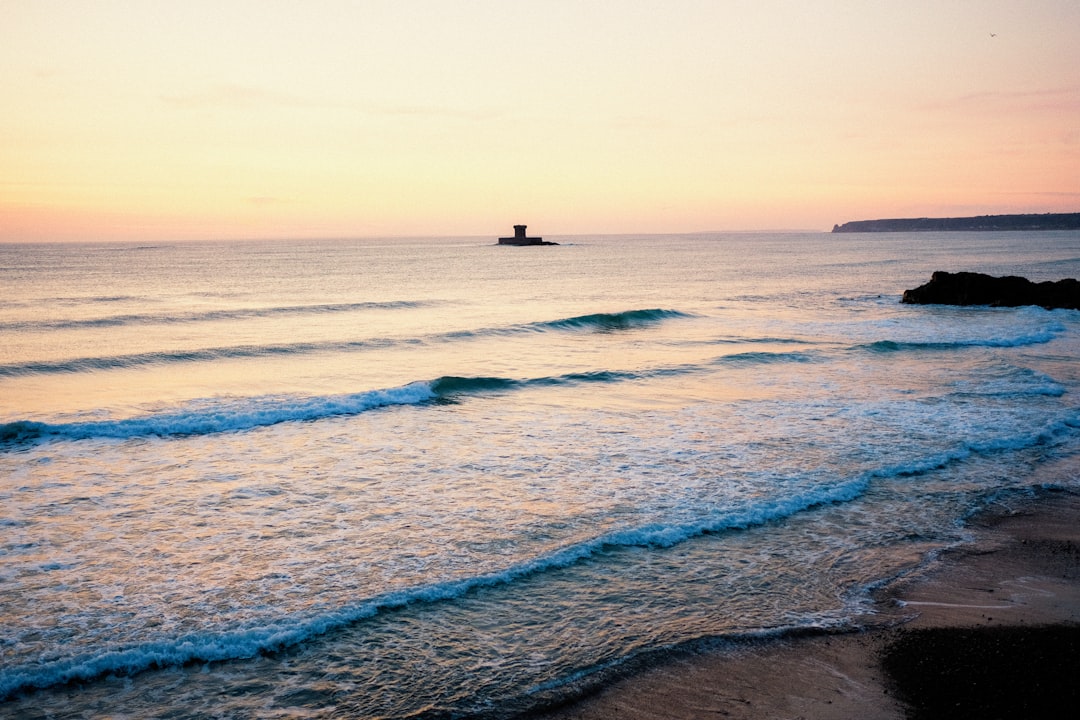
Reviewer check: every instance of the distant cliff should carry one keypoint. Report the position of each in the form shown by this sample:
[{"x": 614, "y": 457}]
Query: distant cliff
[{"x": 1048, "y": 221}]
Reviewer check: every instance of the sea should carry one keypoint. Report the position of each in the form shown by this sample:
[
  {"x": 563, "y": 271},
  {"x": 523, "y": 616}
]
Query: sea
[{"x": 439, "y": 477}]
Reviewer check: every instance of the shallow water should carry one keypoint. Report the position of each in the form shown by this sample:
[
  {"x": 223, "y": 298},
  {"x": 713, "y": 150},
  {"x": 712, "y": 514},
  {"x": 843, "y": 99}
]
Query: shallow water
[{"x": 404, "y": 477}]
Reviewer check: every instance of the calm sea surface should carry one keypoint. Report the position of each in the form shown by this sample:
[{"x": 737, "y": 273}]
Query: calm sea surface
[{"x": 391, "y": 478}]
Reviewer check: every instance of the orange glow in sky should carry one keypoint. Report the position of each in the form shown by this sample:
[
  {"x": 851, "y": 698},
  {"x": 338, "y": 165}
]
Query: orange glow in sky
[{"x": 267, "y": 118}]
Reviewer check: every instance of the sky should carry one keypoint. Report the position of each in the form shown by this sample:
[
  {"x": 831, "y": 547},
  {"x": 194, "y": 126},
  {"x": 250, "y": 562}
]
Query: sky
[{"x": 145, "y": 119}]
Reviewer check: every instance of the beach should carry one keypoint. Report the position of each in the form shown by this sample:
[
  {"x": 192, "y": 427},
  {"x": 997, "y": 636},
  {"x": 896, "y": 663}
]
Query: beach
[{"x": 990, "y": 628}]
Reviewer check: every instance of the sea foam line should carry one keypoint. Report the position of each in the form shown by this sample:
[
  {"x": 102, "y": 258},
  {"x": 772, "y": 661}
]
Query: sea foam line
[
  {"x": 249, "y": 642},
  {"x": 220, "y": 416}
]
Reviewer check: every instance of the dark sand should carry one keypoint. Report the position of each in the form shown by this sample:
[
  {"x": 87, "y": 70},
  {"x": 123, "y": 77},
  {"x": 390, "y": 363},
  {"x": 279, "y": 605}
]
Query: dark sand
[{"x": 991, "y": 629}]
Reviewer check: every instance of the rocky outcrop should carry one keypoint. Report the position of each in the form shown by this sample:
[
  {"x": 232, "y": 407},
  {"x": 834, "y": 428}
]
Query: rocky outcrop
[
  {"x": 968, "y": 288},
  {"x": 1047, "y": 221}
]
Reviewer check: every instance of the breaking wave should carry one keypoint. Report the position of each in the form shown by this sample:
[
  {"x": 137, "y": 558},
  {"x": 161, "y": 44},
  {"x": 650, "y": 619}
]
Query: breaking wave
[
  {"x": 610, "y": 322},
  {"x": 601, "y": 322},
  {"x": 291, "y": 630},
  {"x": 1039, "y": 336},
  {"x": 247, "y": 642}
]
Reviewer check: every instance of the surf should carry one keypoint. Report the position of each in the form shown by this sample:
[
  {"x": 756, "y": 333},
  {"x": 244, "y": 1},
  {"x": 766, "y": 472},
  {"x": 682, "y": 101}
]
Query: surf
[
  {"x": 250, "y": 641},
  {"x": 600, "y": 322}
]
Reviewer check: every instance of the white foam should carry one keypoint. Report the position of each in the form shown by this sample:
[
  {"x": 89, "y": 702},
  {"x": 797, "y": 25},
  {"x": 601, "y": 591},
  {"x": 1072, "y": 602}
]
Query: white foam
[
  {"x": 250, "y": 641},
  {"x": 237, "y": 415}
]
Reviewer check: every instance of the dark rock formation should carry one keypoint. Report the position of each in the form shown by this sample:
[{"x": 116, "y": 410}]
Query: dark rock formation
[
  {"x": 1048, "y": 221},
  {"x": 967, "y": 288}
]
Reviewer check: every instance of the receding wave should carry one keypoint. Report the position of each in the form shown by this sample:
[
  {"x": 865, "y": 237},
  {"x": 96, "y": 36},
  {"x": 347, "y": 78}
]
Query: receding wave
[
  {"x": 206, "y": 316},
  {"x": 248, "y": 642}
]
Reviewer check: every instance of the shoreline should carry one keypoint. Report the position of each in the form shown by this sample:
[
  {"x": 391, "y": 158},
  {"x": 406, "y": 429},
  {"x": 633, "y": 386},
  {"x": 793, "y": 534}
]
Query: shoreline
[{"x": 1007, "y": 600}]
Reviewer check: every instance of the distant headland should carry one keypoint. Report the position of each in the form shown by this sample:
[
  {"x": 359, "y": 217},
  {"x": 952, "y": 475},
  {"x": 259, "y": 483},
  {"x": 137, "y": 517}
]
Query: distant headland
[{"x": 1048, "y": 221}]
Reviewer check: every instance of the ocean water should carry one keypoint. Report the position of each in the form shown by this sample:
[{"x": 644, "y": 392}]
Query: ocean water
[{"x": 439, "y": 477}]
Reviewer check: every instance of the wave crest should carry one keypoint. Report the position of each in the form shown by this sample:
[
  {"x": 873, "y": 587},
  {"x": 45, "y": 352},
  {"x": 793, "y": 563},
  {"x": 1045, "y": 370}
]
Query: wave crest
[
  {"x": 611, "y": 322},
  {"x": 218, "y": 416},
  {"x": 599, "y": 322},
  {"x": 1036, "y": 337}
]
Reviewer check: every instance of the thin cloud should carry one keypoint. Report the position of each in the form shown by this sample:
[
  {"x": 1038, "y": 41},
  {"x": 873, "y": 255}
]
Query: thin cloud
[
  {"x": 233, "y": 95},
  {"x": 240, "y": 96},
  {"x": 1036, "y": 193},
  {"x": 1057, "y": 99},
  {"x": 430, "y": 111}
]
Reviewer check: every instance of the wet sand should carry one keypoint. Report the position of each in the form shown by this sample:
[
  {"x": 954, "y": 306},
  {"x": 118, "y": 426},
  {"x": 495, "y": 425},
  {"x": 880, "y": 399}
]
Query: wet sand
[{"x": 990, "y": 629}]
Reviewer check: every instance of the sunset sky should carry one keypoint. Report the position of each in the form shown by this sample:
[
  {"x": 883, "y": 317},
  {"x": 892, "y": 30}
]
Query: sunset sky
[{"x": 140, "y": 119}]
